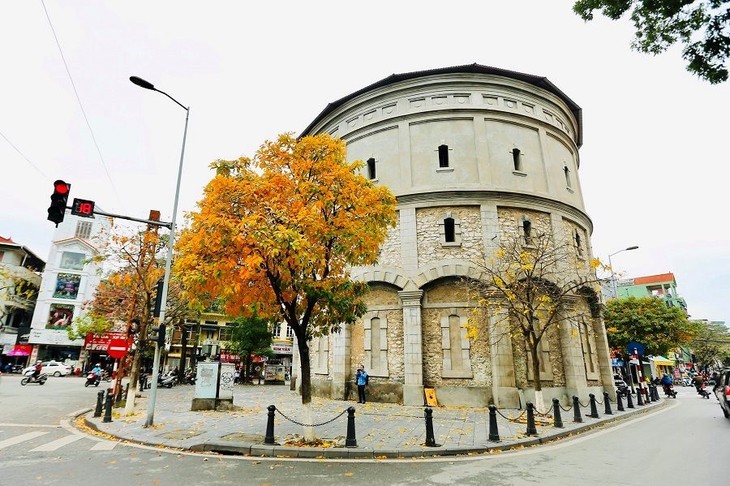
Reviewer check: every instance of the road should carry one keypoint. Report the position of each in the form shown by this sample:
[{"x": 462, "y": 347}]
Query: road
[{"x": 684, "y": 443}]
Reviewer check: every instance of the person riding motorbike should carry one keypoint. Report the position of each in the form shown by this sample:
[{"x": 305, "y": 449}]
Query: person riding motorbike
[
  {"x": 666, "y": 382},
  {"x": 37, "y": 370}
]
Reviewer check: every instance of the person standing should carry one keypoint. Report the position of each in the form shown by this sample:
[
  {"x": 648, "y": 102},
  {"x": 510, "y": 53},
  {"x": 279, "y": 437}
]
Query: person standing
[{"x": 361, "y": 379}]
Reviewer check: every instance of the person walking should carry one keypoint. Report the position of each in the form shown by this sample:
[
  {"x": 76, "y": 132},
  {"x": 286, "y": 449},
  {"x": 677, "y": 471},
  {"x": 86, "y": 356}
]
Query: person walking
[{"x": 361, "y": 379}]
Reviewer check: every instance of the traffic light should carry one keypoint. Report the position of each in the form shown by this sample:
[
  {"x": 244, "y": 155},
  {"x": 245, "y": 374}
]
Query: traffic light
[
  {"x": 157, "y": 334},
  {"x": 59, "y": 198},
  {"x": 158, "y": 299}
]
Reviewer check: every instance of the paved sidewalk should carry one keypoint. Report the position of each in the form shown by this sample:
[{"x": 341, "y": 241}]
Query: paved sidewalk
[{"x": 382, "y": 430}]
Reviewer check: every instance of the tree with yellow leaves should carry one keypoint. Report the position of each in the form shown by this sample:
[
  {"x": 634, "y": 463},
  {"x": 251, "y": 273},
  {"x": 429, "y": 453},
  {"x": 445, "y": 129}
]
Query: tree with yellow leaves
[
  {"x": 278, "y": 233},
  {"x": 527, "y": 288}
]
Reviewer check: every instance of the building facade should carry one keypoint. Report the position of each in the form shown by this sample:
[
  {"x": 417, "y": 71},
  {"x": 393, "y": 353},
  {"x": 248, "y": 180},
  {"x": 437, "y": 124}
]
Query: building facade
[
  {"x": 474, "y": 155},
  {"x": 20, "y": 278},
  {"x": 663, "y": 286},
  {"x": 69, "y": 280}
]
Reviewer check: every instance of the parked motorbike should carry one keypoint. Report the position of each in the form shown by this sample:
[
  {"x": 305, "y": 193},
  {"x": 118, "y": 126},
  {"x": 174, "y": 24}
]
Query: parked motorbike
[
  {"x": 189, "y": 377},
  {"x": 92, "y": 379},
  {"x": 29, "y": 378},
  {"x": 168, "y": 380}
]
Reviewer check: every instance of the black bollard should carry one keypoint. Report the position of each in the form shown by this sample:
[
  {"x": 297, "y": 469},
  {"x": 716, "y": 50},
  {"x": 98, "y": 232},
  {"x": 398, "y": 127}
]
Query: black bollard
[
  {"x": 557, "y": 419},
  {"x": 640, "y": 396},
  {"x": 493, "y": 431},
  {"x": 619, "y": 402},
  {"x": 629, "y": 400},
  {"x": 576, "y": 410},
  {"x": 430, "y": 439},
  {"x": 351, "y": 441},
  {"x": 607, "y": 404},
  {"x": 531, "y": 429},
  {"x": 108, "y": 406},
  {"x": 99, "y": 404},
  {"x": 594, "y": 409},
  {"x": 269, "y": 439}
]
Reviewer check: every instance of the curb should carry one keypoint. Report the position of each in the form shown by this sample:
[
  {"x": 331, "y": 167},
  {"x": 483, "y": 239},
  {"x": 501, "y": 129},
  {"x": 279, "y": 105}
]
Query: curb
[{"x": 278, "y": 451}]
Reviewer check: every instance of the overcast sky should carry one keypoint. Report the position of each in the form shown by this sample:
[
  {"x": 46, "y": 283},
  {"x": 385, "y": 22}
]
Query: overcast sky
[{"x": 653, "y": 163}]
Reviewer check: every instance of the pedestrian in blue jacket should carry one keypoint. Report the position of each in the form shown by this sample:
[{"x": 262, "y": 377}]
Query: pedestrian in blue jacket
[{"x": 361, "y": 379}]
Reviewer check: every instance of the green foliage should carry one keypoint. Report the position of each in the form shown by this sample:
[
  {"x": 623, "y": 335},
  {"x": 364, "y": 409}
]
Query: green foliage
[
  {"x": 89, "y": 323},
  {"x": 701, "y": 26},
  {"x": 649, "y": 321},
  {"x": 251, "y": 335},
  {"x": 711, "y": 344}
]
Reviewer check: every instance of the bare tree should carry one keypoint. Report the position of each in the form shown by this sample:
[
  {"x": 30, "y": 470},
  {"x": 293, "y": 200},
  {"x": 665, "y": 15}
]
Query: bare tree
[{"x": 530, "y": 286}]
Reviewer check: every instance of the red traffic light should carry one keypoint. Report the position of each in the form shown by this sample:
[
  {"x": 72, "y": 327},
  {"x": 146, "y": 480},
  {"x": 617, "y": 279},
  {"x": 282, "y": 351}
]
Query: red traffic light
[{"x": 61, "y": 187}]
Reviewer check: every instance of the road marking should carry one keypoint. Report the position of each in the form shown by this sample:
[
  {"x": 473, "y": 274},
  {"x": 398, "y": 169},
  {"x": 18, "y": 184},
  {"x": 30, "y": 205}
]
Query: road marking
[
  {"x": 107, "y": 445},
  {"x": 20, "y": 438},
  {"x": 57, "y": 444},
  {"x": 31, "y": 426}
]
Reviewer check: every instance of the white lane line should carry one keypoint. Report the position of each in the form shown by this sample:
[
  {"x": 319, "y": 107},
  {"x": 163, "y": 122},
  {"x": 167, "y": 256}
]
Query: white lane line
[
  {"x": 31, "y": 425},
  {"x": 20, "y": 438},
  {"x": 57, "y": 444},
  {"x": 107, "y": 445}
]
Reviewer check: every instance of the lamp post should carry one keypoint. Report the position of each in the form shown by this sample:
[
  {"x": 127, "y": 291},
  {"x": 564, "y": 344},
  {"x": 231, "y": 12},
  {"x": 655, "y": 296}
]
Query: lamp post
[
  {"x": 170, "y": 245},
  {"x": 613, "y": 278}
]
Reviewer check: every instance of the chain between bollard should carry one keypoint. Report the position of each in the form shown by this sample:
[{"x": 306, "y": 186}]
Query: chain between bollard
[
  {"x": 312, "y": 425},
  {"x": 512, "y": 419}
]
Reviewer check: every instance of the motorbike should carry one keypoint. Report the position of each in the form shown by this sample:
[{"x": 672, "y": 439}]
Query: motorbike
[
  {"x": 92, "y": 379},
  {"x": 169, "y": 380},
  {"x": 29, "y": 378},
  {"x": 189, "y": 377},
  {"x": 703, "y": 392},
  {"x": 669, "y": 390}
]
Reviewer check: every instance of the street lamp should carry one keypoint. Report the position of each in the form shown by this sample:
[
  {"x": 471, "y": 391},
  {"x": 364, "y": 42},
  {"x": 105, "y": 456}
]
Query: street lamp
[
  {"x": 613, "y": 279},
  {"x": 170, "y": 245}
]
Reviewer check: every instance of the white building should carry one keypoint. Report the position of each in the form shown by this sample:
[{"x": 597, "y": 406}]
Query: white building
[
  {"x": 20, "y": 277},
  {"x": 70, "y": 279}
]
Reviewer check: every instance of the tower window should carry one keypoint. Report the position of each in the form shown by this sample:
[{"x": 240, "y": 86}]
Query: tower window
[
  {"x": 371, "y": 169},
  {"x": 527, "y": 232},
  {"x": 449, "y": 230},
  {"x": 517, "y": 159},
  {"x": 443, "y": 156},
  {"x": 578, "y": 243},
  {"x": 567, "y": 175}
]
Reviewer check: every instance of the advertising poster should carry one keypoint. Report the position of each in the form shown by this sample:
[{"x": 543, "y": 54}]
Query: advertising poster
[
  {"x": 67, "y": 286},
  {"x": 60, "y": 316}
]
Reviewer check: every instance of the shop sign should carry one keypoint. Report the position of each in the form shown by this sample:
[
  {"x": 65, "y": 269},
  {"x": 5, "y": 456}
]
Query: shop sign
[
  {"x": 50, "y": 336},
  {"x": 17, "y": 350},
  {"x": 226, "y": 357},
  {"x": 7, "y": 338},
  {"x": 281, "y": 348}
]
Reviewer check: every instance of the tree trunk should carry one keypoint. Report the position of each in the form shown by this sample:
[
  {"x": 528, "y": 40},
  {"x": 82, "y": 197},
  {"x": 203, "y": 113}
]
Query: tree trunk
[
  {"x": 539, "y": 401},
  {"x": 306, "y": 377},
  {"x": 133, "y": 378}
]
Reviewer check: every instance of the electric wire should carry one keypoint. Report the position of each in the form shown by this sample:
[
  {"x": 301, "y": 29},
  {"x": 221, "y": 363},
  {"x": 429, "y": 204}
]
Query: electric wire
[
  {"x": 81, "y": 106},
  {"x": 24, "y": 157}
]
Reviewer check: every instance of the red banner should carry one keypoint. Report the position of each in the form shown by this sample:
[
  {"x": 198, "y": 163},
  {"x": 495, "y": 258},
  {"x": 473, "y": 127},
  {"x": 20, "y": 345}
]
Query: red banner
[
  {"x": 226, "y": 357},
  {"x": 100, "y": 342}
]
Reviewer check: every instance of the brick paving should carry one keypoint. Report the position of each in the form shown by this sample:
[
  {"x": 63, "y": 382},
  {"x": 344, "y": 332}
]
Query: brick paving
[{"x": 382, "y": 430}]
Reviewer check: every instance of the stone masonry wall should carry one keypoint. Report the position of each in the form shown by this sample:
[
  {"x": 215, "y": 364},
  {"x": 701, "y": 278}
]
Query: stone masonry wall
[{"x": 428, "y": 234}]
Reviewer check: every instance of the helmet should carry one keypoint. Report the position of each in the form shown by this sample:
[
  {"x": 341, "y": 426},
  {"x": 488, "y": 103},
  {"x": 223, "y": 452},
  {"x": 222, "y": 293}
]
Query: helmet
[
  {"x": 38, "y": 362},
  {"x": 98, "y": 364}
]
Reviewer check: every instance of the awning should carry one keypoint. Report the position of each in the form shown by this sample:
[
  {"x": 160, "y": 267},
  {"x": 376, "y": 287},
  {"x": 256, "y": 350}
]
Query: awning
[{"x": 661, "y": 361}]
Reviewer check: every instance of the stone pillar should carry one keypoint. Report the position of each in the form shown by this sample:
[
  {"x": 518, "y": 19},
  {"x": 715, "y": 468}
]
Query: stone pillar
[
  {"x": 604, "y": 356},
  {"x": 340, "y": 362},
  {"x": 504, "y": 390},
  {"x": 573, "y": 360},
  {"x": 412, "y": 347}
]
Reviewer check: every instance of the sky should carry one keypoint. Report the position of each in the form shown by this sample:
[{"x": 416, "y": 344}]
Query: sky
[{"x": 652, "y": 172}]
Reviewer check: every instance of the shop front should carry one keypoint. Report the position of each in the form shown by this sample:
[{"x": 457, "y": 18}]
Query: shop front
[{"x": 54, "y": 345}]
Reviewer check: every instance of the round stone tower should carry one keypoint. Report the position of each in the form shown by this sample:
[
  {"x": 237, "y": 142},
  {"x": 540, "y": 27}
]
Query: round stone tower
[{"x": 472, "y": 153}]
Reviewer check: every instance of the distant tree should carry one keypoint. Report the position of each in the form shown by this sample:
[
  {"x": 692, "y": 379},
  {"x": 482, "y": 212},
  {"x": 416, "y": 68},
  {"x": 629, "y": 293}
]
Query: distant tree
[
  {"x": 701, "y": 26},
  {"x": 282, "y": 231},
  {"x": 711, "y": 344},
  {"x": 529, "y": 288},
  {"x": 649, "y": 321},
  {"x": 251, "y": 336}
]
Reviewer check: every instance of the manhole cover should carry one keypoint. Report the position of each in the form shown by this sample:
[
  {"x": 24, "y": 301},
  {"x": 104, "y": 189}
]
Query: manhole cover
[
  {"x": 241, "y": 437},
  {"x": 180, "y": 434}
]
